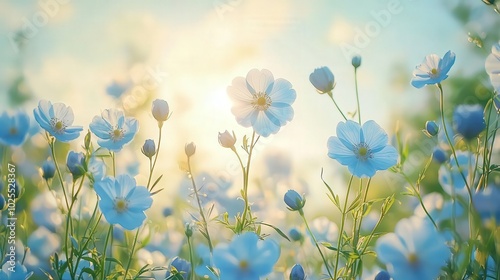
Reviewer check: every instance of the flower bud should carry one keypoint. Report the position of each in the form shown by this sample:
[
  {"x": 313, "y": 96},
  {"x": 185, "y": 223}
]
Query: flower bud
[
  {"x": 189, "y": 230},
  {"x": 356, "y": 61},
  {"x": 160, "y": 110},
  {"x": 295, "y": 234},
  {"x": 190, "y": 149},
  {"x": 439, "y": 155},
  {"x": 149, "y": 148},
  {"x": 76, "y": 164},
  {"x": 86, "y": 141},
  {"x": 496, "y": 101},
  {"x": 322, "y": 79},
  {"x": 227, "y": 140},
  {"x": 431, "y": 128},
  {"x": 468, "y": 121},
  {"x": 18, "y": 189},
  {"x": 383, "y": 275},
  {"x": 294, "y": 200},
  {"x": 3, "y": 203},
  {"x": 297, "y": 273},
  {"x": 167, "y": 211},
  {"x": 48, "y": 169}
]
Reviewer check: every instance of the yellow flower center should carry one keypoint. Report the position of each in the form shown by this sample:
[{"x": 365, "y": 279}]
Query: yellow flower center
[
  {"x": 13, "y": 131},
  {"x": 57, "y": 125},
  {"x": 413, "y": 259},
  {"x": 116, "y": 134},
  {"x": 121, "y": 205},
  {"x": 362, "y": 151},
  {"x": 243, "y": 264},
  {"x": 261, "y": 101},
  {"x": 434, "y": 72}
]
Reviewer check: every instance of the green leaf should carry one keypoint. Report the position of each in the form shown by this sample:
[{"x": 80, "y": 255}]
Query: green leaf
[{"x": 276, "y": 229}]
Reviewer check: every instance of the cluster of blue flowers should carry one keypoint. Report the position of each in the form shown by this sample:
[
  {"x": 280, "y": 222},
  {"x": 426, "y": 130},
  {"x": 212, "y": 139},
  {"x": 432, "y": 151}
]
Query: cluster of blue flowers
[{"x": 451, "y": 234}]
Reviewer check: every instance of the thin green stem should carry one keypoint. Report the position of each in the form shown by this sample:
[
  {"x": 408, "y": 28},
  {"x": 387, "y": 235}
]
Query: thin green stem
[
  {"x": 200, "y": 207},
  {"x": 132, "y": 253},
  {"x": 103, "y": 261},
  {"x": 337, "y": 106},
  {"x": 190, "y": 245},
  {"x": 357, "y": 232},
  {"x": 156, "y": 158},
  {"x": 316, "y": 243},
  {"x": 357, "y": 95},
  {"x": 114, "y": 163},
  {"x": 245, "y": 181},
  {"x": 342, "y": 224},
  {"x": 452, "y": 147}
]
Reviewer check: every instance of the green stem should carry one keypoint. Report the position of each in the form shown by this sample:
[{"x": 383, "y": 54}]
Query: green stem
[
  {"x": 202, "y": 214},
  {"x": 335, "y": 103},
  {"x": 357, "y": 95},
  {"x": 357, "y": 232},
  {"x": 190, "y": 245},
  {"x": 103, "y": 261},
  {"x": 132, "y": 253},
  {"x": 114, "y": 163},
  {"x": 156, "y": 158},
  {"x": 316, "y": 243},
  {"x": 342, "y": 224},
  {"x": 245, "y": 181},
  {"x": 452, "y": 147}
]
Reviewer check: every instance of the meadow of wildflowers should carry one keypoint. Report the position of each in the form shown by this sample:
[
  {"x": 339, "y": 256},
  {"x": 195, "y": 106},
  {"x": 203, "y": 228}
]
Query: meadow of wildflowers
[{"x": 75, "y": 206}]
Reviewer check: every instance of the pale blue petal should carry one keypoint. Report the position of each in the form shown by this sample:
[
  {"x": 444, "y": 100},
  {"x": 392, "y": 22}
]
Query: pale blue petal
[
  {"x": 259, "y": 81},
  {"x": 338, "y": 151},
  {"x": 282, "y": 92},
  {"x": 385, "y": 158},
  {"x": 349, "y": 133},
  {"x": 362, "y": 169},
  {"x": 375, "y": 136}
]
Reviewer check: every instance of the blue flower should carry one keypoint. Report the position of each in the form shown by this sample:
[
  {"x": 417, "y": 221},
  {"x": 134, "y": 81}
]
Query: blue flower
[
  {"x": 295, "y": 235},
  {"x": 297, "y": 273},
  {"x": 383, "y": 275},
  {"x": 181, "y": 265},
  {"x": 433, "y": 70},
  {"x": 122, "y": 202},
  {"x": 294, "y": 200},
  {"x": 322, "y": 79},
  {"x": 356, "y": 61},
  {"x": 431, "y": 128},
  {"x": 246, "y": 258},
  {"x": 48, "y": 169},
  {"x": 449, "y": 174},
  {"x": 415, "y": 251},
  {"x": 262, "y": 102},
  {"x": 439, "y": 209},
  {"x": 486, "y": 203},
  {"x": 439, "y": 155},
  {"x": 82, "y": 264},
  {"x": 113, "y": 129},
  {"x": 203, "y": 270},
  {"x": 149, "y": 148},
  {"x": 96, "y": 168},
  {"x": 324, "y": 229},
  {"x": 492, "y": 66},
  {"x": 57, "y": 119},
  {"x": 76, "y": 164},
  {"x": 117, "y": 89},
  {"x": 363, "y": 149},
  {"x": 468, "y": 121},
  {"x": 20, "y": 272},
  {"x": 14, "y": 128}
]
